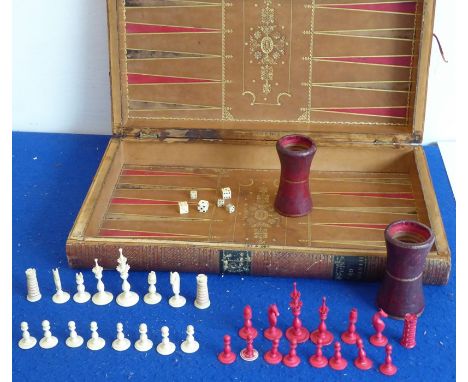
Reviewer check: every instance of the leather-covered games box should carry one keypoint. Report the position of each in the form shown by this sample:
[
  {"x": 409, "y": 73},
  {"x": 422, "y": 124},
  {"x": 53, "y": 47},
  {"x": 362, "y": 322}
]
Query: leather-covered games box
[{"x": 201, "y": 91}]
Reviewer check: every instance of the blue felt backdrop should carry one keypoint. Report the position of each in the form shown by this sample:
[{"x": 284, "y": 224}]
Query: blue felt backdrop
[{"x": 51, "y": 175}]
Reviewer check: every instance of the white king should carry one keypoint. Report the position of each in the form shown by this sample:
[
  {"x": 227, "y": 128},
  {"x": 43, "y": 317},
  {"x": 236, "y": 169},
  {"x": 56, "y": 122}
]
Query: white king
[{"x": 127, "y": 297}]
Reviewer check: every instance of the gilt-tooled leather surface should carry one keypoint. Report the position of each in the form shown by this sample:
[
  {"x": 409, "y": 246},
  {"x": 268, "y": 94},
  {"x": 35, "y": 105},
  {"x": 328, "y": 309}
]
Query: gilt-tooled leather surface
[{"x": 286, "y": 61}]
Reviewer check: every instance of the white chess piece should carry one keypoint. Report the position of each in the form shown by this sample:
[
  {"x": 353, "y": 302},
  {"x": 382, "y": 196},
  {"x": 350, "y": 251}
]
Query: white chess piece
[
  {"x": 95, "y": 342},
  {"x": 177, "y": 300},
  {"x": 202, "y": 301},
  {"x": 165, "y": 347},
  {"x": 127, "y": 297},
  {"x": 120, "y": 343},
  {"x": 74, "y": 340},
  {"x": 190, "y": 345},
  {"x": 27, "y": 341},
  {"x": 81, "y": 296},
  {"x": 152, "y": 297},
  {"x": 34, "y": 294},
  {"x": 48, "y": 341},
  {"x": 144, "y": 343},
  {"x": 102, "y": 297},
  {"x": 60, "y": 297}
]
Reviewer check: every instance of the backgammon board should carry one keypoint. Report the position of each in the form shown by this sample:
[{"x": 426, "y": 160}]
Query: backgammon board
[{"x": 354, "y": 214}]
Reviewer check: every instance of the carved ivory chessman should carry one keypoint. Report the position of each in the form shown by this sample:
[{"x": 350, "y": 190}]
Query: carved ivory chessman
[
  {"x": 190, "y": 345},
  {"x": 152, "y": 297},
  {"x": 48, "y": 341},
  {"x": 176, "y": 301},
  {"x": 202, "y": 301},
  {"x": 127, "y": 298},
  {"x": 102, "y": 297},
  {"x": 60, "y": 297},
  {"x": 34, "y": 294},
  {"x": 74, "y": 340},
  {"x": 144, "y": 343},
  {"x": 27, "y": 341},
  {"x": 165, "y": 347},
  {"x": 81, "y": 296},
  {"x": 95, "y": 342}
]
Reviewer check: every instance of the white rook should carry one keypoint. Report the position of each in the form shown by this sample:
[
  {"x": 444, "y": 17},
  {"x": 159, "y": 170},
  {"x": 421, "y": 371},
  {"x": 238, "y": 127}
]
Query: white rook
[
  {"x": 34, "y": 294},
  {"x": 202, "y": 300}
]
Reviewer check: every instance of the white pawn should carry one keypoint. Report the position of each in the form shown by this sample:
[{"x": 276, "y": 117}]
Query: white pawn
[
  {"x": 81, "y": 296},
  {"x": 177, "y": 300},
  {"x": 120, "y": 343},
  {"x": 60, "y": 297},
  {"x": 48, "y": 341},
  {"x": 202, "y": 301},
  {"x": 27, "y": 341},
  {"x": 102, "y": 297},
  {"x": 127, "y": 298},
  {"x": 34, "y": 294},
  {"x": 152, "y": 297},
  {"x": 144, "y": 343},
  {"x": 165, "y": 347},
  {"x": 95, "y": 342},
  {"x": 190, "y": 345},
  {"x": 74, "y": 340}
]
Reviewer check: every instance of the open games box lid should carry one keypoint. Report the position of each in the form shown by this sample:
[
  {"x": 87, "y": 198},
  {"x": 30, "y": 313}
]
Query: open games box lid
[{"x": 337, "y": 70}]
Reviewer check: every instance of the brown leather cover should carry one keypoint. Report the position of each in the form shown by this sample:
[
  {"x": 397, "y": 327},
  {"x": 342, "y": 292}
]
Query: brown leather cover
[{"x": 315, "y": 66}]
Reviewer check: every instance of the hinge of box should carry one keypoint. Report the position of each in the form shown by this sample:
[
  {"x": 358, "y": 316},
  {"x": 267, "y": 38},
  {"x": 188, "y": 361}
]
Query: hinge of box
[{"x": 413, "y": 140}]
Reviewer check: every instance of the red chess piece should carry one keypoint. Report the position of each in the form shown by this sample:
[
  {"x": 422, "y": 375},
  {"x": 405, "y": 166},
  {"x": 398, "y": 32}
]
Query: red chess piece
[
  {"x": 227, "y": 356},
  {"x": 291, "y": 359},
  {"x": 408, "y": 340},
  {"x": 249, "y": 353},
  {"x": 378, "y": 339},
  {"x": 388, "y": 368},
  {"x": 337, "y": 362},
  {"x": 362, "y": 361},
  {"x": 322, "y": 332},
  {"x": 318, "y": 359},
  {"x": 273, "y": 332},
  {"x": 296, "y": 331},
  {"x": 248, "y": 327},
  {"x": 273, "y": 356},
  {"x": 350, "y": 336}
]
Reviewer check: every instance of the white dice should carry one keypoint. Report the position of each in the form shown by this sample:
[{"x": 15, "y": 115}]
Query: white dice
[
  {"x": 230, "y": 208},
  {"x": 193, "y": 194},
  {"x": 220, "y": 203},
  {"x": 226, "y": 193},
  {"x": 203, "y": 206},
  {"x": 183, "y": 208}
]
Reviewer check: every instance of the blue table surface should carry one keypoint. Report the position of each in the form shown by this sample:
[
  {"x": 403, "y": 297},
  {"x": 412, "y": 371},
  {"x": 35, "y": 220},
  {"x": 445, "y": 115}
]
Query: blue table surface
[{"x": 51, "y": 175}]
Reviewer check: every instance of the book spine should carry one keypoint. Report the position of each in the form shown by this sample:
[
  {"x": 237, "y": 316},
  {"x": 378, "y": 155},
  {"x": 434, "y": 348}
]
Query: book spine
[{"x": 261, "y": 262}]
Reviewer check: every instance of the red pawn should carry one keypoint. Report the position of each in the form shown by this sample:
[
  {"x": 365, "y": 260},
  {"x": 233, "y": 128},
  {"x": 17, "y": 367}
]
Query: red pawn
[
  {"x": 248, "y": 327},
  {"x": 408, "y": 339},
  {"x": 378, "y": 339},
  {"x": 322, "y": 332},
  {"x": 388, "y": 368},
  {"x": 362, "y": 361},
  {"x": 350, "y": 336},
  {"x": 337, "y": 362},
  {"x": 291, "y": 359},
  {"x": 227, "y": 356},
  {"x": 318, "y": 359},
  {"x": 273, "y": 356},
  {"x": 296, "y": 331},
  {"x": 273, "y": 332},
  {"x": 249, "y": 353}
]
